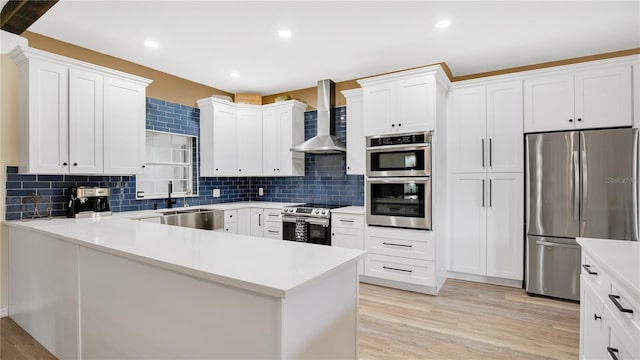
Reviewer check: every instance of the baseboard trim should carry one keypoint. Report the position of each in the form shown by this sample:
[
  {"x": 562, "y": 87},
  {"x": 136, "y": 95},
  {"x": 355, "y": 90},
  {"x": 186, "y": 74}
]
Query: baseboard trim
[
  {"x": 4, "y": 312},
  {"x": 485, "y": 279},
  {"x": 429, "y": 290}
]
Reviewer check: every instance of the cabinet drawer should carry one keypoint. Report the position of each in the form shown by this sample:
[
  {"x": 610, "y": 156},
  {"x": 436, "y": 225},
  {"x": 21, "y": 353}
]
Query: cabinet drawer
[
  {"x": 347, "y": 221},
  {"x": 421, "y": 249},
  {"x": 272, "y": 215},
  {"x": 593, "y": 274},
  {"x": 273, "y": 230},
  {"x": 622, "y": 344},
  {"x": 230, "y": 216},
  {"x": 419, "y": 272},
  {"x": 627, "y": 313}
]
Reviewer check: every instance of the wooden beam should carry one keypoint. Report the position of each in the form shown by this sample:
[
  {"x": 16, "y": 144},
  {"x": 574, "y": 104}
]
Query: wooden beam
[{"x": 18, "y": 15}]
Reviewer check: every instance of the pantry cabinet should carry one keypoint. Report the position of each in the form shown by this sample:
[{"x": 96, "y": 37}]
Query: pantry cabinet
[
  {"x": 404, "y": 101},
  {"x": 580, "y": 99},
  {"x": 356, "y": 146},
  {"x": 487, "y": 224},
  {"x": 283, "y": 128},
  {"x": 486, "y": 128},
  {"x": 78, "y": 118}
]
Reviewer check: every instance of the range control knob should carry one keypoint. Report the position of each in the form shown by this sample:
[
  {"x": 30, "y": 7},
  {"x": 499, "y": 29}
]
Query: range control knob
[
  {"x": 316, "y": 211},
  {"x": 324, "y": 212}
]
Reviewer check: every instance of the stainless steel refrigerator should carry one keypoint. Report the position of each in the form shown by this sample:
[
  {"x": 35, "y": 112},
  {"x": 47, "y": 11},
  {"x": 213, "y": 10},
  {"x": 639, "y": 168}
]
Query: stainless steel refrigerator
[{"x": 578, "y": 184}]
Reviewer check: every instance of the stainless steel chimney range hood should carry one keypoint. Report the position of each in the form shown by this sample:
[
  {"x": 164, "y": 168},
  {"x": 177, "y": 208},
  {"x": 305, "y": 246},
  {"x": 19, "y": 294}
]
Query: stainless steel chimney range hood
[{"x": 325, "y": 142}]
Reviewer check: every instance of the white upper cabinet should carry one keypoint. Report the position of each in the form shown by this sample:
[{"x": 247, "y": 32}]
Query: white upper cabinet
[
  {"x": 124, "y": 127},
  {"x": 283, "y": 128},
  {"x": 249, "y": 135},
  {"x": 355, "y": 132},
  {"x": 486, "y": 128},
  {"x": 85, "y": 122},
  {"x": 580, "y": 99},
  {"x": 402, "y": 102},
  {"x": 77, "y": 117},
  {"x": 225, "y": 148}
]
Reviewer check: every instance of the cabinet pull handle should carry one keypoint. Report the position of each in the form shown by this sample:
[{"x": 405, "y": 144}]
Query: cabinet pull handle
[
  {"x": 614, "y": 300},
  {"x": 596, "y": 317},
  {"x": 272, "y": 231},
  {"x": 483, "y": 153},
  {"x": 259, "y": 219},
  {"x": 347, "y": 221},
  {"x": 273, "y": 215},
  {"x": 588, "y": 268},
  {"x": 490, "y": 192},
  {"x": 490, "y": 152},
  {"x": 612, "y": 352},
  {"x": 396, "y": 269},
  {"x": 482, "y": 192},
  {"x": 392, "y": 244}
]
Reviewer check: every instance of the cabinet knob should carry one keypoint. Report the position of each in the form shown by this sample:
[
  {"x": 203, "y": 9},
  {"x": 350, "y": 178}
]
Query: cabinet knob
[
  {"x": 333, "y": 234},
  {"x": 348, "y": 167},
  {"x": 393, "y": 125},
  {"x": 216, "y": 169},
  {"x": 75, "y": 164},
  {"x": 239, "y": 170},
  {"x": 274, "y": 169},
  {"x": 596, "y": 317},
  {"x": 570, "y": 120},
  {"x": 399, "y": 124},
  {"x": 64, "y": 164},
  {"x": 579, "y": 119},
  {"x": 144, "y": 166},
  {"x": 278, "y": 169}
]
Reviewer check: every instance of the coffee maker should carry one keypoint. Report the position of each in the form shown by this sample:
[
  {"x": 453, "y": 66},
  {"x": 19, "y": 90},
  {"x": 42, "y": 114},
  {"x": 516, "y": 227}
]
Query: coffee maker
[{"x": 88, "y": 202}]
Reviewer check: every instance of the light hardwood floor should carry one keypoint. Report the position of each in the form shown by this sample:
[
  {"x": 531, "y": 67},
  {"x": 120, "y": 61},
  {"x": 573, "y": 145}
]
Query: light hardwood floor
[{"x": 465, "y": 321}]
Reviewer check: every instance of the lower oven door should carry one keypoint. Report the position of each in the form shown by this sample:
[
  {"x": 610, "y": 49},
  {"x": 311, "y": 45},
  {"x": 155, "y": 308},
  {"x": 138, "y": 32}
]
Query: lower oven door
[
  {"x": 310, "y": 230},
  {"x": 399, "y": 202},
  {"x": 289, "y": 226},
  {"x": 319, "y": 231}
]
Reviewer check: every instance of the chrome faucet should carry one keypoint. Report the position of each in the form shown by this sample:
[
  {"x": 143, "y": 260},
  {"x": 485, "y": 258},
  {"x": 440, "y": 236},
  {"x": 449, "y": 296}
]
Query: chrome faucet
[{"x": 169, "y": 191}]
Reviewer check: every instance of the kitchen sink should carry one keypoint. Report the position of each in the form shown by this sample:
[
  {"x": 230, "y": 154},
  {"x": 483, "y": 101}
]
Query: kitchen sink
[{"x": 194, "y": 218}]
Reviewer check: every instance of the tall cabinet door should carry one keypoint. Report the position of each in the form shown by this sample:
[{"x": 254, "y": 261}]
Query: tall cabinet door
[
  {"x": 47, "y": 145},
  {"x": 124, "y": 127},
  {"x": 249, "y": 128},
  {"x": 355, "y": 132},
  {"x": 225, "y": 156},
  {"x": 469, "y": 130},
  {"x": 468, "y": 233},
  {"x": 271, "y": 141},
  {"x": 504, "y": 127},
  {"x": 85, "y": 122},
  {"x": 505, "y": 225}
]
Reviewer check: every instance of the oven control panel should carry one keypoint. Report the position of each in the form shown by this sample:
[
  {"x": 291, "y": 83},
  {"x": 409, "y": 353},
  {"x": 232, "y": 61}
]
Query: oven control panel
[{"x": 302, "y": 211}]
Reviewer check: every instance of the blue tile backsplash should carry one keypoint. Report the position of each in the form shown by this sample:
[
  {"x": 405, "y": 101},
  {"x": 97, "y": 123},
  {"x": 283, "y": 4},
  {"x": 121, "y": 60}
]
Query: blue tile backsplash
[{"x": 325, "y": 180}]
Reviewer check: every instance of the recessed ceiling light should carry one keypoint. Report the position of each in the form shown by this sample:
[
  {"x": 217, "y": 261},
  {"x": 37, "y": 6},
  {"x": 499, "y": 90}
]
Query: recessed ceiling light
[
  {"x": 284, "y": 33},
  {"x": 443, "y": 24},
  {"x": 151, "y": 44},
  {"x": 234, "y": 75}
]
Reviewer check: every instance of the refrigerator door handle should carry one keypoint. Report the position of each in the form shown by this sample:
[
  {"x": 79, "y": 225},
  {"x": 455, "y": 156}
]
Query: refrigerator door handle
[
  {"x": 634, "y": 184},
  {"x": 553, "y": 244},
  {"x": 583, "y": 204},
  {"x": 490, "y": 192},
  {"x": 490, "y": 153},
  {"x": 482, "y": 192},
  {"x": 576, "y": 186}
]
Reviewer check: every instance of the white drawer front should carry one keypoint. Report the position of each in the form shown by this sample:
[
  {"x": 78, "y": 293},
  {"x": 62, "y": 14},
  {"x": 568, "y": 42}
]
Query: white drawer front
[
  {"x": 394, "y": 246},
  {"x": 629, "y": 313},
  {"x": 594, "y": 275},
  {"x": 412, "y": 271},
  {"x": 622, "y": 344},
  {"x": 272, "y": 215},
  {"x": 347, "y": 221},
  {"x": 230, "y": 216},
  {"x": 273, "y": 229}
]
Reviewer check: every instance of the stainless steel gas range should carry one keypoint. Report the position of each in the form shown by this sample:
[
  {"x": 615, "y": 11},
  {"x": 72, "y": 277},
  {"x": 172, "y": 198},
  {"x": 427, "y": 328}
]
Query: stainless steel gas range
[{"x": 310, "y": 223}]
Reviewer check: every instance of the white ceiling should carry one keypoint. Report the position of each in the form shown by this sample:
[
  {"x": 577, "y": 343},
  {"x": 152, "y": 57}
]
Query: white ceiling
[{"x": 204, "y": 41}]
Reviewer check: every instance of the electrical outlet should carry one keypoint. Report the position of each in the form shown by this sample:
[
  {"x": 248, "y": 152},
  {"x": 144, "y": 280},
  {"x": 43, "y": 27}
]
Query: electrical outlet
[
  {"x": 216, "y": 192},
  {"x": 260, "y": 192}
]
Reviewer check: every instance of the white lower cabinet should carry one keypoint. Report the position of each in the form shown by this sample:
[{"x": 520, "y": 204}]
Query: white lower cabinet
[
  {"x": 243, "y": 222},
  {"x": 257, "y": 222},
  {"x": 487, "y": 234},
  {"x": 273, "y": 223},
  {"x": 402, "y": 255},
  {"x": 230, "y": 221},
  {"x": 347, "y": 231},
  {"x": 609, "y": 314}
]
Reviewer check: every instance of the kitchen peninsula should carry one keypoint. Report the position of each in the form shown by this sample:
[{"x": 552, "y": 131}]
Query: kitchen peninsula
[{"x": 119, "y": 288}]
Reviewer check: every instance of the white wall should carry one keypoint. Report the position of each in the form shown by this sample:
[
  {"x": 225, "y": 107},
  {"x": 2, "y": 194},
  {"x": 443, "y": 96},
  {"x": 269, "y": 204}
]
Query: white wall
[{"x": 8, "y": 141}]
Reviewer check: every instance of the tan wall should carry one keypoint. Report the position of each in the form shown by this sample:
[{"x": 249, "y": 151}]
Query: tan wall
[
  {"x": 8, "y": 152},
  {"x": 310, "y": 95},
  {"x": 164, "y": 86}
]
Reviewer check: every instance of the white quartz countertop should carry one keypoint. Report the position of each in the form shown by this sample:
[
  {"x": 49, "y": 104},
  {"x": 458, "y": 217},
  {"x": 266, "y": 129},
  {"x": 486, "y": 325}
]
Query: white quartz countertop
[
  {"x": 268, "y": 266},
  {"x": 618, "y": 257},
  {"x": 356, "y": 210},
  {"x": 220, "y": 206}
]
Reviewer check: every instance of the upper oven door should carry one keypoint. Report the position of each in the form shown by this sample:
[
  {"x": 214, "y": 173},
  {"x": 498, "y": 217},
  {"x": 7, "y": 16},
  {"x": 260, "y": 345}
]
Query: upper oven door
[
  {"x": 399, "y": 160},
  {"x": 399, "y": 202}
]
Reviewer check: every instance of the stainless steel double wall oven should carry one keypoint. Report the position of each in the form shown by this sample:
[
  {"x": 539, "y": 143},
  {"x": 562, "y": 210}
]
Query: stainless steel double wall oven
[{"x": 399, "y": 180}]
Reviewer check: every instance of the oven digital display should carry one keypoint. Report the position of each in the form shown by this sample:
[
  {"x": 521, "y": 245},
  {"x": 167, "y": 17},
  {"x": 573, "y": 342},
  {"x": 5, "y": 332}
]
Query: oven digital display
[
  {"x": 398, "y": 140},
  {"x": 303, "y": 211}
]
